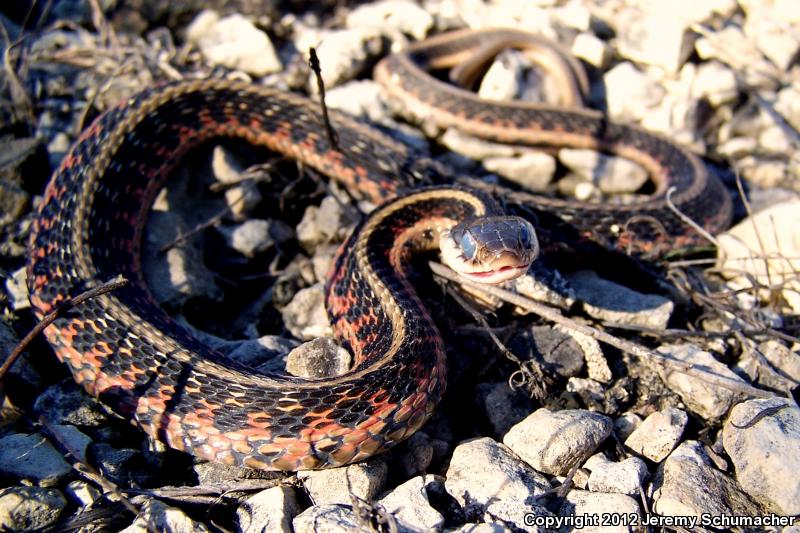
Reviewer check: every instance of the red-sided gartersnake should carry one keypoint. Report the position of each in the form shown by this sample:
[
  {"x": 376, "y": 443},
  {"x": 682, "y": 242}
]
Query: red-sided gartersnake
[{"x": 123, "y": 348}]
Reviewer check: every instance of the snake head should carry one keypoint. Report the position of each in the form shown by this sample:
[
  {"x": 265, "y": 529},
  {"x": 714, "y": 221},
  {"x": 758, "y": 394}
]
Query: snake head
[{"x": 491, "y": 249}]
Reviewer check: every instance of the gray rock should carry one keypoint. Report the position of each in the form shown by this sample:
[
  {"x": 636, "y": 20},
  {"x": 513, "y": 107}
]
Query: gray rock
[
  {"x": 787, "y": 103},
  {"x": 731, "y": 46},
  {"x": 608, "y": 301},
  {"x": 21, "y": 371},
  {"x": 764, "y": 246},
  {"x": 554, "y": 441},
  {"x": 158, "y": 516},
  {"x": 626, "y": 424},
  {"x": 29, "y": 508},
  {"x": 260, "y": 353},
  {"x": 360, "y": 98},
  {"x": 554, "y": 347},
  {"x": 533, "y": 17},
  {"x": 503, "y": 80},
  {"x": 762, "y": 438},
  {"x": 72, "y": 439},
  {"x": 491, "y": 483},
  {"x": 267, "y": 353},
  {"x": 658, "y": 434},
  {"x": 763, "y": 172},
  {"x": 65, "y": 403},
  {"x": 546, "y": 285},
  {"x": 305, "y": 316},
  {"x": 738, "y": 147},
  {"x": 409, "y": 504},
  {"x": 623, "y": 477},
  {"x": 785, "y": 362},
  {"x": 13, "y": 201},
  {"x": 256, "y": 236},
  {"x": 775, "y": 35},
  {"x": 83, "y": 494},
  {"x": 655, "y": 35},
  {"x": 318, "y": 358},
  {"x": 178, "y": 274},
  {"x": 687, "y": 484},
  {"x": 774, "y": 139},
  {"x": 504, "y": 406},
  {"x": 591, "y": 392},
  {"x": 331, "y": 518},
  {"x": 339, "y": 485},
  {"x": 630, "y": 93},
  {"x": 575, "y": 186},
  {"x": 573, "y": 14},
  {"x": 242, "y": 198},
  {"x": 269, "y": 510},
  {"x": 702, "y": 398},
  {"x": 596, "y": 364},
  {"x": 32, "y": 457},
  {"x": 117, "y": 464},
  {"x": 331, "y": 221},
  {"x": 225, "y": 166},
  {"x": 580, "y": 503},
  {"x": 393, "y": 15},
  {"x": 475, "y": 148},
  {"x": 715, "y": 82},
  {"x": 241, "y": 195},
  {"x": 592, "y": 49},
  {"x": 531, "y": 169},
  {"x": 322, "y": 262},
  {"x": 612, "y": 175},
  {"x": 418, "y": 454},
  {"x": 57, "y": 148},
  {"x": 17, "y": 290},
  {"x": 233, "y": 42}
]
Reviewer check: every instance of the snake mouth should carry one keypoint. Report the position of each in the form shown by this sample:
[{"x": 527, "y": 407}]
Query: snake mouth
[{"x": 498, "y": 275}]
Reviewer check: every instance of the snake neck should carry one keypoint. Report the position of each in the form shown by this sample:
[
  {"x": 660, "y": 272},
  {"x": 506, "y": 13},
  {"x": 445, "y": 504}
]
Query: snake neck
[{"x": 372, "y": 307}]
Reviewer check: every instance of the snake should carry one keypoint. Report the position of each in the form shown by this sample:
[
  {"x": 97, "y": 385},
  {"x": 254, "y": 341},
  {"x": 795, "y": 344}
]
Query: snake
[{"x": 123, "y": 348}]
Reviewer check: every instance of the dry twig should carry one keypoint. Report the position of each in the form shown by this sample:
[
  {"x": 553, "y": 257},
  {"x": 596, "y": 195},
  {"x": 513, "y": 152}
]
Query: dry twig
[
  {"x": 626, "y": 346},
  {"x": 313, "y": 62},
  {"x": 50, "y": 317}
]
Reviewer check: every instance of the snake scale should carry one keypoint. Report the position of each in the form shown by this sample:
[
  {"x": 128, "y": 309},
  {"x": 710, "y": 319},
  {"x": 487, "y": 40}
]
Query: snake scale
[{"x": 124, "y": 349}]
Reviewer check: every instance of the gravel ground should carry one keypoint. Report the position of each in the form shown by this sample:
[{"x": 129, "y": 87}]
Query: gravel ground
[{"x": 589, "y": 437}]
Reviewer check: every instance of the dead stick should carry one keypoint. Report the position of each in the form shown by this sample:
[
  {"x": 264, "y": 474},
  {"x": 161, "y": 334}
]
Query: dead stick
[
  {"x": 50, "y": 317},
  {"x": 626, "y": 346},
  {"x": 313, "y": 62}
]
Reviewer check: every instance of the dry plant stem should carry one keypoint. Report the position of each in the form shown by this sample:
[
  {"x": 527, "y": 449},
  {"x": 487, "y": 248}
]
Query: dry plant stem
[
  {"x": 19, "y": 95},
  {"x": 686, "y": 220},
  {"x": 532, "y": 377},
  {"x": 205, "y": 494},
  {"x": 626, "y": 346},
  {"x": 685, "y": 333},
  {"x": 313, "y": 62},
  {"x": 49, "y": 318}
]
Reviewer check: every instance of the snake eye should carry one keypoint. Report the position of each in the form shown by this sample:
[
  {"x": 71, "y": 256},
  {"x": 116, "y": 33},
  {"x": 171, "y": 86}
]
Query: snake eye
[
  {"x": 468, "y": 245},
  {"x": 524, "y": 237}
]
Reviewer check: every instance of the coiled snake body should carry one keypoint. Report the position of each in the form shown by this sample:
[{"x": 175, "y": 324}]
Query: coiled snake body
[{"x": 123, "y": 348}]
